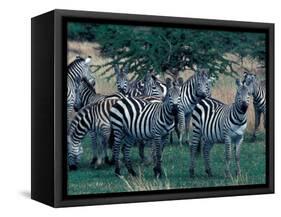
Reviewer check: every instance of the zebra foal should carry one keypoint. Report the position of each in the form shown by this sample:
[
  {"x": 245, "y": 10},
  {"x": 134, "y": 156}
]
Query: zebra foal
[{"x": 216, "y": 122}]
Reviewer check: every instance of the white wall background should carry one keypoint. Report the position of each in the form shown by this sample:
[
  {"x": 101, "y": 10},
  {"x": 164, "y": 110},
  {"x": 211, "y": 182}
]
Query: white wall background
[{"x": 15, "y": 106}]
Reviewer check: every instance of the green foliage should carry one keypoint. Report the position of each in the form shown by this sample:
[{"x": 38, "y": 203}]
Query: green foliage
[
  {"x": 81, "y": 31},
  {"x": 163, "y": 49}
]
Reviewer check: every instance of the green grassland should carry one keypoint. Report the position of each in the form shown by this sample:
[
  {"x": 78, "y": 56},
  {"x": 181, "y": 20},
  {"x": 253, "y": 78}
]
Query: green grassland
[{"x": 89, "y": 180}]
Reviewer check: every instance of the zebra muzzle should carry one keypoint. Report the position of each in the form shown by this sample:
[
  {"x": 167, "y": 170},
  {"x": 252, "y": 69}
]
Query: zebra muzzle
[{"x": 174, "y": 109}]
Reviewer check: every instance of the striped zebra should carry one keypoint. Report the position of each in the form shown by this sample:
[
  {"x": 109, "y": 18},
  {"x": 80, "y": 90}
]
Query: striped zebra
[
  {"x": 93, "y": 118},
  {"x": 216, "y": 122},
  {"x": 125, "y": 87},
  {"x": 136, "y": 120},
  {"x": 76, "y": 70},
  {"x": 86, "y": 94},
  {"x": 151, "y": 87},
  {"x": 193, "y": 90},
  {"x": 258, "y": 91},
  {"x": 162, "y": 85}
]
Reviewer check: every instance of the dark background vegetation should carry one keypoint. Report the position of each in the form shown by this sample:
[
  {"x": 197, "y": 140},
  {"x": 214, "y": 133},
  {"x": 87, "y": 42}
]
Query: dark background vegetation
[{"x": 163, "y": 49}]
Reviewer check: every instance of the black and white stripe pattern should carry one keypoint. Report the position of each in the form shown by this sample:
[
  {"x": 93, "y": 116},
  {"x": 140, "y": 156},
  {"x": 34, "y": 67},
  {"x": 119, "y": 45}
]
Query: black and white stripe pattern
[
  {"x": 215, "y": 122},
  {"x": 136, "y": 120},
  {"x": 192, "y": 91},
  {"x": 258, "y": 91},
  {"x": 151, "y": 88},
  {"x": 76, "y": 70},
  {"x": 93, "y": 118},
  {"x": 87, "y": 94}
]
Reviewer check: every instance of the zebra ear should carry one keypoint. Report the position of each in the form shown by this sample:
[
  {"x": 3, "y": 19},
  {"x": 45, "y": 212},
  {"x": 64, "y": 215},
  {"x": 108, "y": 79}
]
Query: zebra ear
[
  {"x": 88, "y": 59},
  {"x": 126, "y": 69},
  {"x": 238, "y": 82},
  {"x": 168, "y": 82},
  {"x": 116, "y": 69},
  {"x": 180, "y": 81},
  {"x": 153, "y": 77}
]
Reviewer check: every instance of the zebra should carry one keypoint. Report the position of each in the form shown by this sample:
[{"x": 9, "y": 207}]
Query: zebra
[
  {"x": 125, "y": 87},
  {"x": 134, "y": 120},
  {"x": 76, "y": 70},
  {"x": 93, "y": 118},
  {"x": 193, "y": 90},
  {"x": 216, "y": 122},
  {"x": 258, "y": 91},
  {"x": 86, "y": 94},
  {"x": 151, "y": 87}
]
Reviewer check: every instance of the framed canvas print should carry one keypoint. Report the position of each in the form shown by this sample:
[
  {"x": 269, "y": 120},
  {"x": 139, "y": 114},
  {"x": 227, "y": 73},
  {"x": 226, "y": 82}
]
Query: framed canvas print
[{"x": 133, "y": 108}]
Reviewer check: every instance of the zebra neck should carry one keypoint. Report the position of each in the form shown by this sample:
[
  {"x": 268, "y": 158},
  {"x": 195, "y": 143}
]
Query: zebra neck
[
  {"x": 190, "y": 93},
  {"x": 75, "y": 78},
  {"x": 237, "y": 116},
  {"x": 166, "y": 113}
]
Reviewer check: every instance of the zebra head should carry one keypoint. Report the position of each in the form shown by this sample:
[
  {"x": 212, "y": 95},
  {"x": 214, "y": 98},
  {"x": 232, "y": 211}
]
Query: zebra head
[
  {"x": 85, "y": 86},
  {"x": 86, "y": 65},
  {"x": 172, "y": 98},
  {"x": 150, "y": 87},
  {"x": 121, "y": 79},
  {"x": 202, "y": 83},
  {"x": 242, "y": 98},
  {"x": 250, "y": 80},
  {"x": 73, "y": 153}
]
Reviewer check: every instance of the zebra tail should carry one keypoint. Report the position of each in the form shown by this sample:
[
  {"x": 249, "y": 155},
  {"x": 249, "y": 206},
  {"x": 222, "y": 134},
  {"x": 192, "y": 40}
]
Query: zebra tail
[{"x": 111, "y": 139}]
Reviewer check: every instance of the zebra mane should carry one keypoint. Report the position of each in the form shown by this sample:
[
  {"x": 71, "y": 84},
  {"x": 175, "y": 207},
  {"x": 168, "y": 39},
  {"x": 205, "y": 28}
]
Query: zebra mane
[
  {"x": 77, "y": 60},
  {"x": 89, "y": 85}
]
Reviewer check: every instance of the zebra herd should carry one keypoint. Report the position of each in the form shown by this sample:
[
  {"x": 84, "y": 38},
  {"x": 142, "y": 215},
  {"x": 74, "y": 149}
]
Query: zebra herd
[{"x": 145, "y": 112}]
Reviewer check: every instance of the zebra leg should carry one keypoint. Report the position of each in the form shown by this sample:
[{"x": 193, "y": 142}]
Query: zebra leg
[
  {"x": 237, "y": 155},
  {"x": 141, "y": 151},
  {"x": 93, "y": 136},
  {"x": 158, "y": 157},
  {"x": 74, "y": 152},
  {"x": 227, "y": 156},
  {"x": 187, "y": 125},
  {"x": 257, "y": 123},
  {"x": 264, "y": 120},
  {"x": 193, "y": 148},
  {"x": 105, "y": 146},
  {"x": 171, "y": 138},
  {"x": 181, "y": 124},
  {"x": 206, "y": 152},
  {"x": 116, "y": 151},
  {"x": 126, "y": 152}
]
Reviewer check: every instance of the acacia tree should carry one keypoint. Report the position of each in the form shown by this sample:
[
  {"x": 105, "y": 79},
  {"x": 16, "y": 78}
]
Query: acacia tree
[{"x": 163, "y": 49}]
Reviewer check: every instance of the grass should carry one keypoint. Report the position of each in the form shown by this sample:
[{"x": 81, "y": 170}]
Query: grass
[{"x": 88, "y": 180}]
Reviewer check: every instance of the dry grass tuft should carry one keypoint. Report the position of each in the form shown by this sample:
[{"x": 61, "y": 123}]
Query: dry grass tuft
[{"x": 140, "y": 183}]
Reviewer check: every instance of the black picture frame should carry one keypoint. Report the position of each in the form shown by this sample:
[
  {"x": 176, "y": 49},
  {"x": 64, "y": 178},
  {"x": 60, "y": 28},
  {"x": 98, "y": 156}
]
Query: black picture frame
[{"x": 48, "y": 164}]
